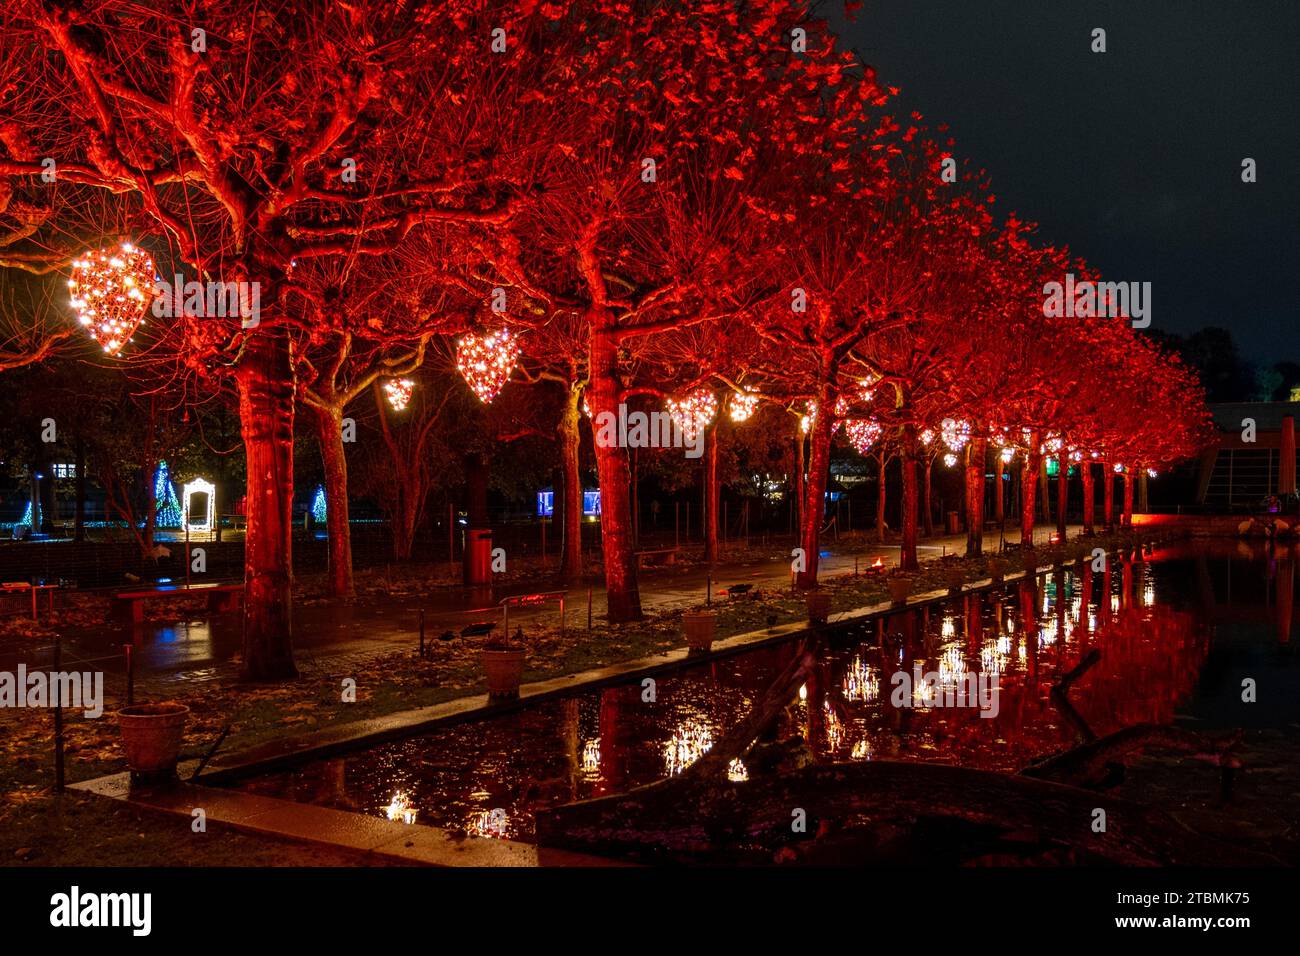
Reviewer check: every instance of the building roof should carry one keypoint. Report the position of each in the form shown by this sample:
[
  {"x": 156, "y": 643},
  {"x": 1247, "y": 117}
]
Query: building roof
[{"x": 1268, "y": 415}]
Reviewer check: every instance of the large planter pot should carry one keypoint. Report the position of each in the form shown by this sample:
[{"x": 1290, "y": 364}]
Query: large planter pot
[
  {"x": 505, "y": 671},
  {"x": 955, "y": 578},
  {"x": 819, "y": 607},
  {"x": 998, "y": 568},
  {"x": 700, "y": 627},
  {"x": 151, "y": 737},
  {"x": 899, "y": 589}
]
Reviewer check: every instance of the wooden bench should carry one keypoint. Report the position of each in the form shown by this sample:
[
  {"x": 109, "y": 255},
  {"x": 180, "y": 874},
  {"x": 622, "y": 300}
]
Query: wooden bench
[
  {"x": 128, "y": 606},
  {"x": 35, "y": 589},
  {"x": 739, "y": 590},
  {"x": 659, "y": 556}
]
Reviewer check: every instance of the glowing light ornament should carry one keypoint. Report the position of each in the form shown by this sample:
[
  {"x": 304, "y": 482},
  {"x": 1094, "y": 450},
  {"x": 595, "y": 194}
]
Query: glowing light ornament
[
  {"x": 694, "y": 413},
  {"x": 863, "y": 395},
  {"x": 806, "y": 422},
  {"x": 950, "y": 459},
  {"x": 956, "y": 433},
  {"x": 400, "y": 808},
  {"x": 1007, "y": 455},
  {"x": 743, "y": 405},
  {"x": 486, "y": 362},
  {"x": 110, "y": 289},
  {"x": 863, "y": 433},
  {"x": 927, "y": 437},
  {"x": 398, "y": 392}
]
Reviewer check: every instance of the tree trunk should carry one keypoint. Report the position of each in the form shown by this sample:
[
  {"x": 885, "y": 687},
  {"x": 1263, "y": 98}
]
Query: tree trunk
[
  {"x": 1128, "y": 497},
  {"x": 622, "y": 595},
  {"x": 1062, "y": 493},
  {"x": 999, "y": 493},
  {"x": 570, "y": 492},
  {"x": 1044, "y": 489},
  {"x": 329, "y": 433},
  {"x": 880, "y": 502},
  {"x": 798, "y": 477},
  {"x": 927, "y": 497},
  {"x": 712, "y": 495},
  {"x": 819, "y": 466},
  {"x": 266, "y": 386},
  {"x": 79, "y": 522},
  {"x": 975, "y": 496},
  {"x": 907, "y": 558},
  {"x": 1143, "y": 504},
  {"x": 1089, "y": 496},
  {"x": 1028, "y": 488},
  {"x": 1108, "y": 477}
]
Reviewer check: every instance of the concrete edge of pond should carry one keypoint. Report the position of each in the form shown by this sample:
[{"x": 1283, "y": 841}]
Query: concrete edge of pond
[
  {"x": 393, "y": 840},
  {"x": 385, "y": 840},
  {"x": 327, "y": 742}
]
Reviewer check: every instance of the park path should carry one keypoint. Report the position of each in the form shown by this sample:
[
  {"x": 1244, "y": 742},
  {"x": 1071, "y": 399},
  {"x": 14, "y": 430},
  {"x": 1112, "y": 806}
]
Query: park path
[{"x": 329, "y": 637}]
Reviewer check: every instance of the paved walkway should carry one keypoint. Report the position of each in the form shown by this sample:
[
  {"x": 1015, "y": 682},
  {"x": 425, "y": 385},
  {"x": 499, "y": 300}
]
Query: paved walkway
[{"x": 332, "y": 637}]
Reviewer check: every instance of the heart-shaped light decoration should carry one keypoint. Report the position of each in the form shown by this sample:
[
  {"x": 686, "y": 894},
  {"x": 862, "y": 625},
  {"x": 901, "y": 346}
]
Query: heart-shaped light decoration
[
  {"x": 110, "y": 289},
  {"x": 486, "y": 362},
  {"x": 694, "y": 413},
  {"x": 743, "y": 405},
  {"x": 863, "y": 433},
  {"x": 398, "y": 392},
  {"x": 956, "y": 433}
]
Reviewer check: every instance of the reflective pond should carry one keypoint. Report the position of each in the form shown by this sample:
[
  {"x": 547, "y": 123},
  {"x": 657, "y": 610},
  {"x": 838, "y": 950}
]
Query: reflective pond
[{"x": 1177, "y": 633}]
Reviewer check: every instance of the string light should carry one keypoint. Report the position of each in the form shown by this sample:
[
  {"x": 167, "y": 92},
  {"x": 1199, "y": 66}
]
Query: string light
[
  {"x": 863, "y": 433},
  {"x": 694, "y": 413},
  {"x": 110, "y": 290},
  {"x": 956, "y": 433},
  {"x": 806, "y": 422},
  {"x": 486, "y": 362},
  {"x": 950, "y": 459},
  {"x": 862, "y": 394},
  {"x": 398, "y": 391},
  {"x": 743, "y": 405}
]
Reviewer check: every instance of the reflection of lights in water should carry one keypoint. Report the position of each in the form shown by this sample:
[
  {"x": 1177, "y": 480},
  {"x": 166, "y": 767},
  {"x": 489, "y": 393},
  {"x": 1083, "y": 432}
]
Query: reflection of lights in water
[
  {"x": 860, "y": 684},
  {"x": 400, "y": 808},
  {"x": 1011, "y": 625},
  {"x": 1020, "y": 649},
  {"x": 834, "y": 729},
  {"x": 489, "y": 823},
  {"x": 1092, "y": 621},
  {"x": 803, "y": 691},
  {"x": 736, "y": 771},
  {"x": 952, "y": 667},
  {"x": 591, "y": 756},
  {"x": 1114, "y": 604},
  {"x": 1148, "y": 593},
  {"x": 688, "y": 743},
  {"x": 949, "y": 629},
  {"x": 1076, "y": 609},
  {"x": 862, "y": 750},
  {"x": 1049, "y": 633},
  {"x": 993, "y": 656}
]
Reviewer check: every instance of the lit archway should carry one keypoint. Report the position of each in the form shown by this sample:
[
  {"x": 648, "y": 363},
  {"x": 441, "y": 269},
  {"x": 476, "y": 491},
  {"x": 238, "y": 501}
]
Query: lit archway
[{"x": 204, "y": 523}]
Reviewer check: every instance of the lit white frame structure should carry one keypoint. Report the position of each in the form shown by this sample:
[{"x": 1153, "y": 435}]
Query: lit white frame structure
[{"x": 199, "y": 486}]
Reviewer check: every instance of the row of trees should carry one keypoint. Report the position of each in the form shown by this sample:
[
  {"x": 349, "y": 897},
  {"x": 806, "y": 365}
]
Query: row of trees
[{"x": 654, "y": 198}]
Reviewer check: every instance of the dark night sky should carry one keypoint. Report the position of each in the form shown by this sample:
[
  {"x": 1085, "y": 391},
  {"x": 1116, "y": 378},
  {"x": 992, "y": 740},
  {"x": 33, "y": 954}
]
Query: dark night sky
[{"x": 1131, "y": 157}]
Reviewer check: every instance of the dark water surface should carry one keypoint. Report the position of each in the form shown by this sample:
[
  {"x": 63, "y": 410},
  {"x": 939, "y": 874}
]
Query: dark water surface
[{"x": 1178, "y": 633}]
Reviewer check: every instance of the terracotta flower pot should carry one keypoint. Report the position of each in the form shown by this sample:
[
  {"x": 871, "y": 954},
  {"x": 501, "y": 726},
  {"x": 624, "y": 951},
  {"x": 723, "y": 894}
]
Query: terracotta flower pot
[
  {"x": 505, "y": 671},
  {"x": 899, "y": 589},
  {"x": 819, "y": 607},
  {"x": 700, "y": 627},
  {"x": 151, "y": 737}
]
